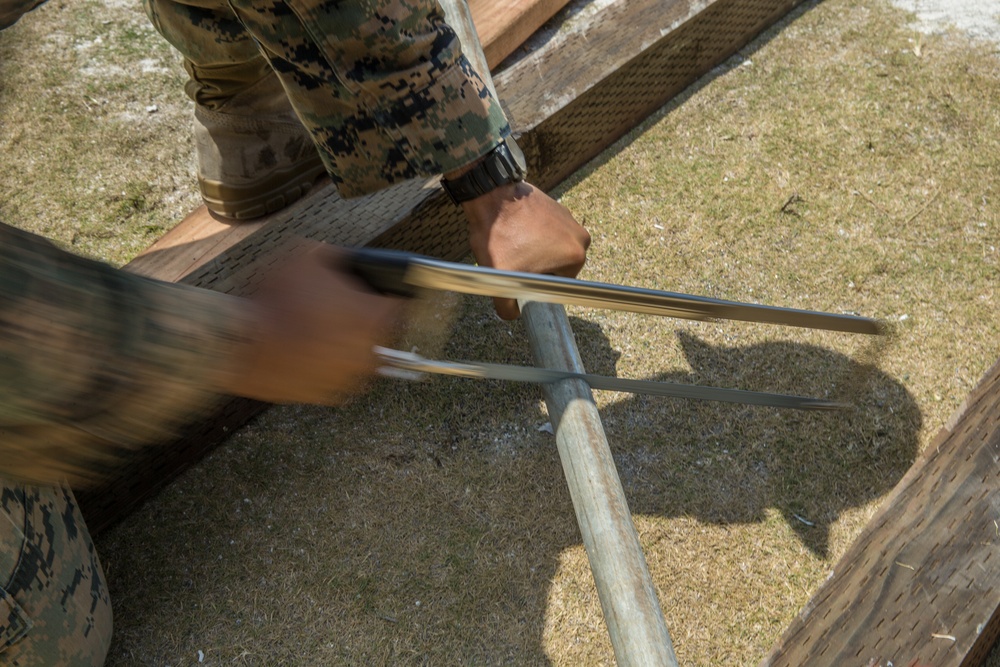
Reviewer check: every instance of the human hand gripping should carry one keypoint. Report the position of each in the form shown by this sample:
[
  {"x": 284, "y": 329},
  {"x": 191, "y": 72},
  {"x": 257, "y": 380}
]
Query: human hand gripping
[
  {"x": 517, "y": 227},
  {"x": 312, "y": 333}
]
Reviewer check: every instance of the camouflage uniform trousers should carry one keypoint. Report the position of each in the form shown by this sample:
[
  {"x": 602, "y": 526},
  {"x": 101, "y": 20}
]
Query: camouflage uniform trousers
[
  {"x": 382, "y": 86},
  {"x": 54, "y": 605}
]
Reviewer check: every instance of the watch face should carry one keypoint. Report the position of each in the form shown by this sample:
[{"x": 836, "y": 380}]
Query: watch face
[{"x": 517, "y": 154}]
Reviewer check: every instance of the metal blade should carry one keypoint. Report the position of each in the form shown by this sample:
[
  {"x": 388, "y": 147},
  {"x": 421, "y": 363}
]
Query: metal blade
[
  {"x": 411, "y": 366},
  {"x": 436, "y": 274},
  {"x": 403, "y": 274}
]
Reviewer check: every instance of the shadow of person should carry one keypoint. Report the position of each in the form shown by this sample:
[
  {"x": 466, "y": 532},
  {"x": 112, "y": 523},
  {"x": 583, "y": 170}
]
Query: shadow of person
[
  {"x": 725, "y": 463},
  {"x": 425, "y": 523}
]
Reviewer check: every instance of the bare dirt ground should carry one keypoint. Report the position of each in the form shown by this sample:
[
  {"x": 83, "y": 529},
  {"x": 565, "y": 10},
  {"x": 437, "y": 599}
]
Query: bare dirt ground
[{"x": 977, "y": 18}]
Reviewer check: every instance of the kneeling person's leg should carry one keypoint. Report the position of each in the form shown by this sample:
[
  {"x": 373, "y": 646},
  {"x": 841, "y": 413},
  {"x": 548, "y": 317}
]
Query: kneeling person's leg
[
  {"x": 254, "y": 155},
  {"x": 54, "y": 605}
]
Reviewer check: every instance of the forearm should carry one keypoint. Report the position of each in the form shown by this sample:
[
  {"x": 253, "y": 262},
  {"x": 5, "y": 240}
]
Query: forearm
[{"x": 95, "y": 359}]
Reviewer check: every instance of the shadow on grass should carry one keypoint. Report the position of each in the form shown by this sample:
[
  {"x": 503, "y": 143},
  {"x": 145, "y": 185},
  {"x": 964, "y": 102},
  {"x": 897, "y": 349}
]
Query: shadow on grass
[
  {"x": 424, "y": 523},
  {"x": 734, "y": 60},
  {"x": 723, "y": 463}
]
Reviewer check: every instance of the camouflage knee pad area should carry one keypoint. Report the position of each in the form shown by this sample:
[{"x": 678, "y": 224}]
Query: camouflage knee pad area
[
  {"x": 54, "y": 605},
  {"x": 382, "y": 86}
]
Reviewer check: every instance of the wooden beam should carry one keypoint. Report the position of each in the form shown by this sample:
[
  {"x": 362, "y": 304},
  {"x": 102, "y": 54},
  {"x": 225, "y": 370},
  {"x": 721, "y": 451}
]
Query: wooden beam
[
  {"x": 575, "y": 92},
  {"x": 920, "y": 585},
  {"x": 504, "y": 25},
  {"x": 201, "y": 237}
]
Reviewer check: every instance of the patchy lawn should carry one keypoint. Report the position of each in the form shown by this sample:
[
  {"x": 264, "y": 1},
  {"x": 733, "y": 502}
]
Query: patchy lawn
[{"x": 844, "y": 162}]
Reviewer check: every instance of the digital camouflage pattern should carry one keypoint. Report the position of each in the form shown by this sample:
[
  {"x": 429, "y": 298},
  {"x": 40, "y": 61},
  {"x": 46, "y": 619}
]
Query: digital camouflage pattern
[
  {"x": 54, "y": 605},
  {"x": 94, "y": 360},
  {"x": 382, "y": 85}
]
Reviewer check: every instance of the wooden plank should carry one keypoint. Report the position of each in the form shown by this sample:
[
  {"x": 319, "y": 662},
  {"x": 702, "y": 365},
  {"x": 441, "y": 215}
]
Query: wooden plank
[
  {"x": 921, "y": 584},
  {"x": 638, "y": 54},
  {"x": 197, "y": 239},
  {"x": 577, "y": 90},
  {"x": 504, "y": 26}
]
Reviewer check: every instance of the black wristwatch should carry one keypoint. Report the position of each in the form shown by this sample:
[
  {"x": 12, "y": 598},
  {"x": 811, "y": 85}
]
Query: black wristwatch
[{"x": 504, "y": 164}]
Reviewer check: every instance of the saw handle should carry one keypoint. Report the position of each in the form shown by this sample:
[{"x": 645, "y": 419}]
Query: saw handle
[{"x": 383, "y": 270}]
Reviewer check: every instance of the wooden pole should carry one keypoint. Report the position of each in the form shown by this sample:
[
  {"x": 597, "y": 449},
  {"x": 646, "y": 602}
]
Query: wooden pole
[{"x": 632, "y": 612}]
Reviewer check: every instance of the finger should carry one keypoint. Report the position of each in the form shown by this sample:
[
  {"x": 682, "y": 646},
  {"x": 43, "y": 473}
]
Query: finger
[{"x": 506, "y": 308}]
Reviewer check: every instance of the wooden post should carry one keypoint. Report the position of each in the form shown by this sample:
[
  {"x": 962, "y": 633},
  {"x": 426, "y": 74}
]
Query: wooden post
[
  {"x": 916, "y": 587},
  {"x": 631, "y": 609}
]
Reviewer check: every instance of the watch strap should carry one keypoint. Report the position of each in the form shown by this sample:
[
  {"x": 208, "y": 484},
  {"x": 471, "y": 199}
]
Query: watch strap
[{"x": 499, "y": 167}]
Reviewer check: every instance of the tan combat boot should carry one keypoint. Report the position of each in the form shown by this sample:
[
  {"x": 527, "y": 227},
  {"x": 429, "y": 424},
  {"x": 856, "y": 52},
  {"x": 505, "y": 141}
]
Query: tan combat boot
[{"x": 254, "y": 156}]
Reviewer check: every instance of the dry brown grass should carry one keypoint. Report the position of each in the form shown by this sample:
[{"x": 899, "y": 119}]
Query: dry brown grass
[
  {"x": 843, "y": 162},
  {"x": 95, "y": 147}
]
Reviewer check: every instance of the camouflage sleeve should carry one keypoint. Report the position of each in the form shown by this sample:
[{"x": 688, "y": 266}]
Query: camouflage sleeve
[
  {"x": 383, "y": 86},
  {"x": 94, "y": 359}
]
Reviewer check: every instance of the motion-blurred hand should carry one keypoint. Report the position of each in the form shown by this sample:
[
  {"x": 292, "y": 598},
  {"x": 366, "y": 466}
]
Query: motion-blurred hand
[
  {"x": 315, "y": 329},
  {"x": 518, "y": 227}
]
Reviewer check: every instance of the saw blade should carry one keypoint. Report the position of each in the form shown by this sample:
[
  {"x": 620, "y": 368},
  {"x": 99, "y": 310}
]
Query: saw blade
[
  {"x": 413, "y": 366},
  {"x": 402, "y": 273}
]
